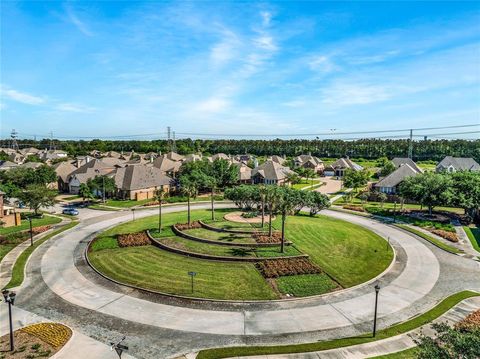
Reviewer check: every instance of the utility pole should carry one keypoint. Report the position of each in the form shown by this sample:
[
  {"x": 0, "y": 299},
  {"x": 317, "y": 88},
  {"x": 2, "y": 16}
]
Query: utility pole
[
  {"x": 169, "y": 139},
  {"x": 174, "y": 146},
  {"x": 410, "y": 145},
  {"x": 51, "y": 140},
  {"x": 14, "y": 144}
]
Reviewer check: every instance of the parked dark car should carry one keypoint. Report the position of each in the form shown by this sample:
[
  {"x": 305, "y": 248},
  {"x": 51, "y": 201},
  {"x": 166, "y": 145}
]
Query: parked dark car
[{"x": 70, "y": 211}]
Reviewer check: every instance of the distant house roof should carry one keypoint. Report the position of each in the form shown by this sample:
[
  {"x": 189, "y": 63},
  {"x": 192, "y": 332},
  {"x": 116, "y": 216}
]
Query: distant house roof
[
  {"x": 6, "y": 165},
  {"x": 222, "y": 156},
  {"x": 245, "y": 172},
  {"x": 29, "y": 150},
  {"x": 270, "y": 170},
  {"x": 397, "y": 176},
  {"x": 192, "y": 158},
  {"x": 174, "y": 156},
  {"x": 278, "y": 159},
  {"x": 137, "y": 177},
  {"x": 398, "y": 161},
  {"x": 31, "y": 165},
  {"x": 459, "y": 164},
  {"x": 112, "y": 161},
  {"x": 166, "y": 165},
  {"x": 302, "y": 159},
  {"x": 344, "y": 163},
  {"x": 92, "y": 169},
  {"x": 64, "y": 169}
]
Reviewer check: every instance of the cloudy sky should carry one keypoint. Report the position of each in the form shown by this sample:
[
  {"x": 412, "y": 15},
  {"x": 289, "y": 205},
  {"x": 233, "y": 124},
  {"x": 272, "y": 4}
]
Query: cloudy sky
[{"x": 125, "y": 68}]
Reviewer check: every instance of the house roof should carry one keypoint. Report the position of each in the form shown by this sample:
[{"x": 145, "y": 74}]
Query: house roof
[
  {"x": 29, "y": 150},
  {"x": 272, "y": 171},
  {"x": 397, "y": 176},
  {"x": 278, "y": 159},
  {"x": 92, "y": 166},
  {"x": 174, "y": 156},
  {"x": 344, "y": 163},
  {"x": 398, "y": 161},
  {"x": 308, "y": 158},
  {"x": 7, "y": 164},
  {"x": 166, "y": 165},
  {"x": 245, "y": 172},
  {"x": 64, "y": 169},
  {"x": 459, "y": 163},
  {"x": 140, "y": 177},
  {"x": 112, "y": 161},
  {"x": 31, "y": 165},
  {"x": 222, "y": 156}
]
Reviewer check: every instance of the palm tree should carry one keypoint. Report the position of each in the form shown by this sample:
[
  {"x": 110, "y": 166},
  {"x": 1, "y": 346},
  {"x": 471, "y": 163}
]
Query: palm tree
[
  {"x": 287, "y": 201},
  {"x": 211, "y": 182},
  {"x": 273, "y": 196},
  {"x": 190, "y": 189},
  {"x": 160, "y": 195},
  {"x": 262, "y": 190}
]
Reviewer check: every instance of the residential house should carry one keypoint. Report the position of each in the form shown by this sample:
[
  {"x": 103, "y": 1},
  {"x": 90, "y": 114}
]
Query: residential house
[
  {"x": 399, "y": 161},
  {"x": 81, "y": 160},
  {"x": 87, "y": 171},
  {"x": 30, "y": 151},
  {"x": 309, "y": 161},
  {"x": 63, "y": 170},
  {"x": 166, "y": 165},
  {"x": 7, "y": 165},
  {"x": 8, "y": 216},
  {"x": 271, "y": 173},
  {"x": 51, "y": 155},
  {"x": 17, "y": 158},
  {"x": 220, "y": 156},
  {"x": 140, "y": 182},
  {"x": 339, "y": 167},
  {"x": 390, "y": 183},
  {"x": 174, "y": 156},
  {"x": 32, "y": 165},
  {"x": 454, "y": 164},
  {"x": 192, "y": 158},
  {"x": 244, "y": 172},
  {"x": 278, "y": 159}
]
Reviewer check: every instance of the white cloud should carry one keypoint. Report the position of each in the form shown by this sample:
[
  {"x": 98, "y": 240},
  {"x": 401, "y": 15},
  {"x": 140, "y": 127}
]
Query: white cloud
[
  {"x": 294, "y": 103},
  {"x": 22, "y": 97},
  {"x": 354, "y": 94},
  {"x": 266, "y": 18},
  {"x": 72, "y": 107},
  {"x": 212, "y": 105},
  {"x": 322, "y": 64},
  {"x": 225, "y": 50},
  {"x": 73, "y": 18},
  {"x": 265, "y": 42}
]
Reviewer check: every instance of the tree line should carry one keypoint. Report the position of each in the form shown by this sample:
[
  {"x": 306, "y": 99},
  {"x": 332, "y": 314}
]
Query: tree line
[{"x": 330, "y": 148}]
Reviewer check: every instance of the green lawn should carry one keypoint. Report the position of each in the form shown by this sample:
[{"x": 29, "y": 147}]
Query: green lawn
[
  {"x": 154, "y": 269},
  {"x": 397, "y": 329},
  {"x": 305, "y": 285},
  {"x": 431, "y": 239},
  {"x": 220, "y": 222},
  {"x": 227, "y": 251},
  {"x": 19, "y": 266},
  {"x": 125, "y": 203},
  {"x": 13, "y": 237},
  {"x": 473, "y": 234},
  {"x": 304, "y": 183},
  {"x": 220, "y": 236},
  {"x": 347, "y": 252}
]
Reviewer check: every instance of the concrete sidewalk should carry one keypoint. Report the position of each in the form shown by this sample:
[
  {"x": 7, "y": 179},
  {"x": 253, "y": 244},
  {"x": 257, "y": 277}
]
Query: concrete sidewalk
[
  {"x": 6, "y": 265},
  {"x": 385, "y": 346}
]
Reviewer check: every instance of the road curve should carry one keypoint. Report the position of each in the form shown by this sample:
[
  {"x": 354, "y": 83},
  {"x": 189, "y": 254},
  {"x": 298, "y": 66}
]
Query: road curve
[{"x": 416, "y": 279}]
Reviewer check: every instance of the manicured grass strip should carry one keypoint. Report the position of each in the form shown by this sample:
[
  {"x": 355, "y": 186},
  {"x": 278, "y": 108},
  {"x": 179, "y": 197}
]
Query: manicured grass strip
[
  {"x": 432, "y": 240},
  {"x": 306, "y": 284},
  {"x": 401, "y": 328},
  {"x": 473, "y": 234},
  {"x": 36, "y": 222},
  {"x": 19, "y": 266},
  {"x": 404, "y": 354},
  {"x": 151, "y": 268},
  {"x": 220, "y": 236}
]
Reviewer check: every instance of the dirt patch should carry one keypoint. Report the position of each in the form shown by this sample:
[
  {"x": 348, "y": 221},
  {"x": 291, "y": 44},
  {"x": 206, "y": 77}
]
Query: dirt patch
[
  {"x": 284, "y": 267},
  {"x": 265, "y": 238},
  {"x": 237, "y": 217},
  {"x": 184, "y": 226},
  {"x": 133, "y": 239}
]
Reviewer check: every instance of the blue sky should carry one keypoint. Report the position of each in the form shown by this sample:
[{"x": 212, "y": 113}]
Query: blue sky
[{"x": 115, "y": 68}]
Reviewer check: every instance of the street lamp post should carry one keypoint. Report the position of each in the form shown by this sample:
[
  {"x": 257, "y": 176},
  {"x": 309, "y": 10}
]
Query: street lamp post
[
  {"x": 10, "y": 299},
  {"x": 31, "y": 230},
  {"x": 133, "y": 213},
  {"x": 377, "y": 289},
  {"x": 395, "y": 211}
]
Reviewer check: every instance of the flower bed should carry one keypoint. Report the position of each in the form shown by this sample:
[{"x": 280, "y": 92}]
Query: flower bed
[
  {"x": 450, "y": 236},
  {"x": 41, "y": 229},
  {"x": 286, "y": 267},
  {"x": 265, "y": 238},
  {"x": 252, "y": 214},
  {"x": 54, "y": 334},
  {"x": 184, "y": 226},
  {"x": 471, "y": 321},
  {"x": 133, "y": 239}
]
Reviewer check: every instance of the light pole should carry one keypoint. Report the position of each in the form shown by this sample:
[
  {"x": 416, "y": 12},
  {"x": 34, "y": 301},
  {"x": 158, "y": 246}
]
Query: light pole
[
  {"x": 133, "y": 213},
  {"x": 31, "y": 230},
  {"x": 192, "y": 274},
  {"x": 377, "y": 289},
  {"x": 10, "y": 299},
  {"x": 394, "y": 211},
  {"x": 119, "y": 347}
]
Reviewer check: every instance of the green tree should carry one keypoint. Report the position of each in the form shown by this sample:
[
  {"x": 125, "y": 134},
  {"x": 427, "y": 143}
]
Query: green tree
[
  {"x": 101, "y": 184},
  {"x": 45, "y": 175},
  {"x": 190, "y": 189},
  {"x": 36, "y": 196},
  {"x": 382, "y": 197},
  {"x": 356, "y": 179},
  {"x": 85, "y": 192},
  {"x": 430, "y": 189},
  {"x": 293, "y": 178},
  {"x": 317, "y": 201},
  {"x": 273, "y": 198},
  {"x": 467, "y": 191},
  {"x": 262, "y": 191},
  {"x": 386, "y": 166},
  {"x": 286, "y": 201},
  {"x": 160, "y": 195}
]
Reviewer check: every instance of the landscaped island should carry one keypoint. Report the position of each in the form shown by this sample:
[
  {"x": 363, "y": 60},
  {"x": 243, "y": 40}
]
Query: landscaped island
[{"x": 321, "y": 255}]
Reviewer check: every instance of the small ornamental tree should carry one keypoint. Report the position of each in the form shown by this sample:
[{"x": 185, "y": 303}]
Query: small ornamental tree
[
  {"x": 355, "y": 179},
  {"x": 85, "y": 191},
  {"x": 316, "y": 202},
  {"x": 36, "y": 196},
  {"x": 190, "y": 189}
]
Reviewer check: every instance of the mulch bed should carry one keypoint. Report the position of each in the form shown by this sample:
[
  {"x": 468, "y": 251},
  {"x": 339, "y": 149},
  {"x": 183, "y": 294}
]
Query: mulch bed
[
  {"x": 354, "y": 208},
  {"x": 133, "y": 239},
  {"x": 264, "y": 238},
  {"x": 472, "y": 321},
  {"x": 184, "y": 226},
  {"x": 450, "y": 236},
  {"x": 285, "y": 267}
]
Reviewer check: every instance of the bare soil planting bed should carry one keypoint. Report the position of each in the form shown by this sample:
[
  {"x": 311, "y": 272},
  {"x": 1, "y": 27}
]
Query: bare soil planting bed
[{"x": 237, "y": 217}]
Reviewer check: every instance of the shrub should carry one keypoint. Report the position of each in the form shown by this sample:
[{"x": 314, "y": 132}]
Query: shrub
[
  {"x": 354, "y": 208},
  {"x": 251, "y": 214},
  {"x": 133, "y": 239},
  {"x": 471, "y": 321},
  {"x": 40, "y": 229},
  {"x": 452, "y": 237},
  {"x": 288, "y": 266}
]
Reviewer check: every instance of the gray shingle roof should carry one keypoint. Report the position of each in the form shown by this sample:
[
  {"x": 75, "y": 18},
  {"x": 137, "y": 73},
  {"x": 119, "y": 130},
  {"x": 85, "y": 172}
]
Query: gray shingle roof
[
  {"x": 459, "y": 163},
  {"x": 140, "y": 177},
  {"x": 397, "y": 176},
  {"x": 272, "y": 171},
  {"x": 398, "y": 161},
  {"x": 345, "y": 163}
]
